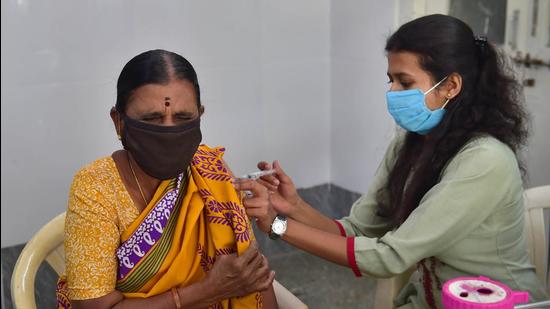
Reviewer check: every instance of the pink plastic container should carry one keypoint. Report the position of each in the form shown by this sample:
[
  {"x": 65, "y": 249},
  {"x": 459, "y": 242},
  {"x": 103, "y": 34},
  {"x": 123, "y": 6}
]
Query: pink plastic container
[{"x": 480, "y": 292}]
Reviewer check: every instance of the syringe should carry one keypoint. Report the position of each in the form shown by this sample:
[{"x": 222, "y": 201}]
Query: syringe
[{"x": 258, "y": 174}]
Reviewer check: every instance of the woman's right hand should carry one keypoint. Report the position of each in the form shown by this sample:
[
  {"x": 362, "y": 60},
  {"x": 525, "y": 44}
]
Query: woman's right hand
[
  {"x": 233, "y": 275},
  {"x": 282, "y": 184}
]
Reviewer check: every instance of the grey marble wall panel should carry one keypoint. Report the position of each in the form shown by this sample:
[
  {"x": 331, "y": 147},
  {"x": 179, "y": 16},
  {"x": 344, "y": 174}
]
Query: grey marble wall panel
[
  {"x": 45, "y": 283},
  {"x": 321, "y": 284}
]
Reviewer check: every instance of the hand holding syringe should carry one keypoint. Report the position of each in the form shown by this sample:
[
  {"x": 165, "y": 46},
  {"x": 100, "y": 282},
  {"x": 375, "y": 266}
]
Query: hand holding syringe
[
  {"x": 258, "y": 174},
  {"x": 273, "y": 191},
  {"x": 255, "y": 176}
]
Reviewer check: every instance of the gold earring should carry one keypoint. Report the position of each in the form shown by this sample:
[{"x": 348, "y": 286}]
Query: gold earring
[{"x": 448, "y": 95}]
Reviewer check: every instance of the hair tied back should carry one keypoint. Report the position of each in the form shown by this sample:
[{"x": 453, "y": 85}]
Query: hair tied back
[{"x": 481, "y": 43}]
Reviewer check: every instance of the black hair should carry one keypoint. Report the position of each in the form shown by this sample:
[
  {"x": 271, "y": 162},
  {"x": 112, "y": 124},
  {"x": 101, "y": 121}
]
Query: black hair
[
  {"x": 153, "y": 67},
  {"x": 489, "y": 103}
]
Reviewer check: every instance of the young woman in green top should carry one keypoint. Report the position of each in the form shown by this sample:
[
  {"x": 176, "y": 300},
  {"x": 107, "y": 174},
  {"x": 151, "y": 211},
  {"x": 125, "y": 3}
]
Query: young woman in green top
[{"x": 447, "y": 198}]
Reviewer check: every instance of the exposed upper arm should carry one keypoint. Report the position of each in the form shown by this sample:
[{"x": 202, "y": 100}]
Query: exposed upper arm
[
  {"x": 108, "y": 301},
  {"x": 269, "y": 299}
]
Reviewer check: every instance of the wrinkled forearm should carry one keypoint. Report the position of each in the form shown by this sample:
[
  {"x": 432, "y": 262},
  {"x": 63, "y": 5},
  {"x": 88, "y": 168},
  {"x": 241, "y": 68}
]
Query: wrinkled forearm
[{"x": 193, "y": 296}]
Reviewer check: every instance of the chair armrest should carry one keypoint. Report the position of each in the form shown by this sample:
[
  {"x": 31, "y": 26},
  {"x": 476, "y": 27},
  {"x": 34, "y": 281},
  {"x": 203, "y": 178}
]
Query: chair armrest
[{"x": 285, "y": 299}]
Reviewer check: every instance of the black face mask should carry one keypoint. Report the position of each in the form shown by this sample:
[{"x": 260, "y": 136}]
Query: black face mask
[{"x": 163, "y": 152}]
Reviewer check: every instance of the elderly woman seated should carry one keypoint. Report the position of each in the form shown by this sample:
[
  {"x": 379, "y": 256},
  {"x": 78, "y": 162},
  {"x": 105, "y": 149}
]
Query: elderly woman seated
[{"x": 159, "y": 224}]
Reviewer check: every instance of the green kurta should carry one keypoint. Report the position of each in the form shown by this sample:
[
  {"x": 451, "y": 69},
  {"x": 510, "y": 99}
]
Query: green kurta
[{"x": 470, "y": 223}]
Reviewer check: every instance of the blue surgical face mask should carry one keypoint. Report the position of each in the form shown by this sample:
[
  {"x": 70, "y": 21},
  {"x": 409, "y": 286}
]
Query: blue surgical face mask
[{"x": 408, "y": 108}]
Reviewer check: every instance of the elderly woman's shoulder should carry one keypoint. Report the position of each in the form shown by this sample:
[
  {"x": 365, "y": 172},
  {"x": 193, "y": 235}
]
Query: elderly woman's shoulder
[
  {"x": 217, "y": 151},
  {"x": 100, "y": 169}
]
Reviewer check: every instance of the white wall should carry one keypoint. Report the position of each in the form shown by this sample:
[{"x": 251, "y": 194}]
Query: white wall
[
  {"x": 295, "y": 88},
  {"x": 263, "y": 69},
  {"x": 361, "y": 127},
  {"x": 299, "y": 81}
]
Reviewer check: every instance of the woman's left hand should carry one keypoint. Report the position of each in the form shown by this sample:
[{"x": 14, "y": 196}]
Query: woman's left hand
[{"x": 258, "y": 204}]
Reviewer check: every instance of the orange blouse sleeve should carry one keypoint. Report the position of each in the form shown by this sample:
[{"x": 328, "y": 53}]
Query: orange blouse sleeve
[{"x": 91, "y": 237}]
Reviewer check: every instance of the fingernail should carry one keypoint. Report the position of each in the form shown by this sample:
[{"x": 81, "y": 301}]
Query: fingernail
[{"x": 276, "y": 182}]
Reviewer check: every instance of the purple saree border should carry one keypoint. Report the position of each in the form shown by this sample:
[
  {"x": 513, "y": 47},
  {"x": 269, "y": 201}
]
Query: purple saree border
[{"x": 147, "y": 234}]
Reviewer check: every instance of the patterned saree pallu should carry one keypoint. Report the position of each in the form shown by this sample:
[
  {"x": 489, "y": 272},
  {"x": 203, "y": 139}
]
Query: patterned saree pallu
[
  {"x": 148, "y": 240},
  {"x": 190, "y": 221}
]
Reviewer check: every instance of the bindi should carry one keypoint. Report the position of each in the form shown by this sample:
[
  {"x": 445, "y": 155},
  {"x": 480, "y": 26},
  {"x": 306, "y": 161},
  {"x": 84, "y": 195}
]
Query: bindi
[{"x": 166, "y": 101}]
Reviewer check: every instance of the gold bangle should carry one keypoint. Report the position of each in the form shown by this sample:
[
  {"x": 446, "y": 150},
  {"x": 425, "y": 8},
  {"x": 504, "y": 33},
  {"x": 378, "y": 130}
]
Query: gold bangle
[{"x": 177, "y": 299}]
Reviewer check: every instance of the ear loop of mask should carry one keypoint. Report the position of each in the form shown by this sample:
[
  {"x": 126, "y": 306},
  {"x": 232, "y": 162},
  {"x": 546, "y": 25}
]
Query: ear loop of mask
[
  {"x": 445, "y": 104},
  {"x": 429, "y": 90}
]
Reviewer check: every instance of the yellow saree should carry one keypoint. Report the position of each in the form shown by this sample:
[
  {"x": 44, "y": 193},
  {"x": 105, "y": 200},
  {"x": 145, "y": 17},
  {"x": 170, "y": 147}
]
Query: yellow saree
[{"x": 190, "y": 221}]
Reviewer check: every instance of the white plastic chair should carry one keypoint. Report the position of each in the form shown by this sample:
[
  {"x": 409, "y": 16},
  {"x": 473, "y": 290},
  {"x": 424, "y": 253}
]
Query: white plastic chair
[
  {"x": 535, "y": 201},
  {"x": 388, "y": 288},
  {"x": 47, "y": 245}
]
